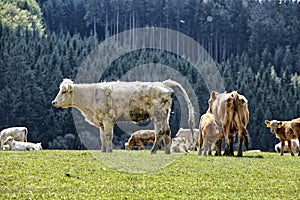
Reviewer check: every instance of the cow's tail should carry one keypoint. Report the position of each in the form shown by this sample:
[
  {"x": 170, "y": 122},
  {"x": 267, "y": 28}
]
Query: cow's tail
[
  {"x": 245, "y": 134},
  {"x": 25, "y": 134},
  {"x": 171, "y": 83}
]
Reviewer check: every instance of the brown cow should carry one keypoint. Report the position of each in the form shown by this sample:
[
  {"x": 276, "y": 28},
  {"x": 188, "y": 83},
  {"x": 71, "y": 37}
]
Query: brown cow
[
  {"x": 232, "y": 115},
  {"x": 285, "y": 131},
  {"x": 209, "y": 133},
  {"x": 103, "y": 104},
  {"x": 139, "y": 138}
]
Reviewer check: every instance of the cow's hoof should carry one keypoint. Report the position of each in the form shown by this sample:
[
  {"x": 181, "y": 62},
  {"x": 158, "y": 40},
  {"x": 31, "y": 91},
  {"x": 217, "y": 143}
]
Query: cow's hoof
[
  {"x": 239, "y": 155},
  {"x": 153, "y": 152}
]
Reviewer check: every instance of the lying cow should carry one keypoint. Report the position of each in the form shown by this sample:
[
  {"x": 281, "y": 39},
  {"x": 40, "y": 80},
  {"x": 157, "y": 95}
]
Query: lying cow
[
  {"x": 140, "y": 138},
  {"x": 18, "y": 133},
  {"x": 285, "y": 131},
  {"x": 232, "y": 115},
  {"x": 295, "y": 146},
  {"x": 16, "y": 145},
  {"x": 209, "y": 133},
  {"x": 191, "y": 141},
  {"x": 179, "y": 145},
  {"x": 105, "y": 103}
]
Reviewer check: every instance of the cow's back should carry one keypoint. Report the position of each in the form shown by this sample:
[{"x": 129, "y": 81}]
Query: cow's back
[{"x": 132, "y": 101}]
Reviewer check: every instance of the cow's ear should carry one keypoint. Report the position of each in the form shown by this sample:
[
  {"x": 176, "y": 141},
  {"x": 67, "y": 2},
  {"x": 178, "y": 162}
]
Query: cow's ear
[
  {"x": 279, "y": 125},
  {"x": 70, "y": 88},
  {"x": 267, "y": 122}
]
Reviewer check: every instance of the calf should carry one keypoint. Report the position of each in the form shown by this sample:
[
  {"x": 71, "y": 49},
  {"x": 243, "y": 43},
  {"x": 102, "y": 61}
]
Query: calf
[
  {"x": 16, "y": 145},
  {"x": 140, "y": 138},
  {"x": 18, "y": 133},
  {"x": 191, "y": 141},
  {"x": 295, "y": 146},
  {"x": 285, "y": 131},
  {"x": 179, "y": 145},
  {"x": 209, "y": 133}
]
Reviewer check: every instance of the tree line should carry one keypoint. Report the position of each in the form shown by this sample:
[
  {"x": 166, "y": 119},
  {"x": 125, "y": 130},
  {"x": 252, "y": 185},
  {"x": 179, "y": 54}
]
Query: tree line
[{"x": 255, "y": 44}]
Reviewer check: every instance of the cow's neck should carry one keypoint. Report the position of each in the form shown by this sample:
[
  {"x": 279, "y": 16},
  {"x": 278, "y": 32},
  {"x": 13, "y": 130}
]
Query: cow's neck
[{"x": 84, "y": 100}]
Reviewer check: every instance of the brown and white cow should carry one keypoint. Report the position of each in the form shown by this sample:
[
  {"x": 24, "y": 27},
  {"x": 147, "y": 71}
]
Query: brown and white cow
[
  {"x": 140, "y": 138},
  {"x": 103, "y": 104},
  {"x": 209, "y": 132},
  {"x": 191, "y": 141},
  {"x": 18, "y": 133},
  {"x": 285, "y": 131},
  {"x": 232, "y": 115}
]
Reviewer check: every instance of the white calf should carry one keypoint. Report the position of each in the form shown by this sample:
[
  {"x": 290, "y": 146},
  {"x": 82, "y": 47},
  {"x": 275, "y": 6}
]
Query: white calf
[{"x": 16, "y": 145}]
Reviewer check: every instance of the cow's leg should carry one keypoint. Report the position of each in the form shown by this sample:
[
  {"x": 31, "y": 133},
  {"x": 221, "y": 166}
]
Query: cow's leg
[
  {"x": 282, "y": 148},
  {"x": 157, "y": 141},
  {"x": 231, "y": 140},
  {"x": 209, "y": 149},
  {"x": 290, "y": 147},
  {"x": 167, "y": 141},
  {"x": 299, "y": 146},
  {"x": 229, "y": 146},
  {"x": 218, "y": 147},
  {"x": 103, "y": 139},
  {"x": 205, "y": 146},
  {"x": 162, "y": 128},
  {"x": 200, "y": 144},
  {"x": 241, "y": 140},
  {"x": 108, "y": 129}
]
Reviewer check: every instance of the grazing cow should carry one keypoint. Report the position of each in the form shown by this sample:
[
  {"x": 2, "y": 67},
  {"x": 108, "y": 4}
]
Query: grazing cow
[
  {"x": 105, "y": 103},
  {"x": 16, "y": 145},
  {"x": 232, "y": 115},
  {"x": 191, "y": 141},
  {"x": 209, "y": 133},
  {"x": 179, "y": 145},
  {"x": 295, "y": 146},
  {"x": 18, "y": 133},
  {"x": 139, "y": 138},
  {"x": 285, "y": 131}
]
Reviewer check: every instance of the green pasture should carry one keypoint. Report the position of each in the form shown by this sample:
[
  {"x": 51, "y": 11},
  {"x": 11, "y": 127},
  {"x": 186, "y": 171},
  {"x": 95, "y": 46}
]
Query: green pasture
[{"x": 50, "y": 174}]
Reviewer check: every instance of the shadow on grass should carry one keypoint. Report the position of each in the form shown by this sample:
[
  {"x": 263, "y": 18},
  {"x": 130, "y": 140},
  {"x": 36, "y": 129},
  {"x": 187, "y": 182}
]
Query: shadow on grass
[{"x": 250, "y": 156}]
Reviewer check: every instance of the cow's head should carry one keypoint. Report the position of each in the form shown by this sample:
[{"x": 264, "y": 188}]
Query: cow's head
[
  {"x": 179, "y": 141},
  {"x": 273, "y": 125},
  {"x": 8, "y": 141},
  {"x": 64, "y": 96},
  {"x": 212, "y": 98}
]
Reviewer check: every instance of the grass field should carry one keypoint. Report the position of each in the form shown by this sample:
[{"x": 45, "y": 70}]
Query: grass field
[{"x": 50, "y": 174}]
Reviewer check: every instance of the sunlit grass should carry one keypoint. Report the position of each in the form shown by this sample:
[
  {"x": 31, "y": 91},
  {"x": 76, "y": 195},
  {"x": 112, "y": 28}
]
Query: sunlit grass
[{"x": 139, "y": 175}]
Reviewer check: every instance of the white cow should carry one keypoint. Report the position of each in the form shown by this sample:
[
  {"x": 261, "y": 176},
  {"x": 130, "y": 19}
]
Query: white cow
[
  {"x": 18, "y": 133},
  {"x": 16, "y": 145},
  {"x": 295, "y": 146},
  {"x": 191, "y": 141},
  {"x": 103, "y": 104},
  {"x": 179, "y": 145}
]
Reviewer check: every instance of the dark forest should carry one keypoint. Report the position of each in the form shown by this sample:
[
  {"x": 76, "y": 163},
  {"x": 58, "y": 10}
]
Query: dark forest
[{"x": 255, "y": 45}]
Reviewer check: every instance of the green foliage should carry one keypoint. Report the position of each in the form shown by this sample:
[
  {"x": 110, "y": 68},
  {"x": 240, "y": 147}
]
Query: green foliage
[
  {"x": 77, "y": 175},
  {"x": 23, "y": 14}
]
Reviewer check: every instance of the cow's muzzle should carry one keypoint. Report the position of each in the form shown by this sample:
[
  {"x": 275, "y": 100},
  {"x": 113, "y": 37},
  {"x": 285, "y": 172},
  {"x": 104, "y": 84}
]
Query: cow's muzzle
[{"x": 55, "y": 104}]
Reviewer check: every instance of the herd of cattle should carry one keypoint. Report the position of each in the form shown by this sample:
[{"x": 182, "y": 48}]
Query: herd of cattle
[{"x": 103, "y": 104}]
